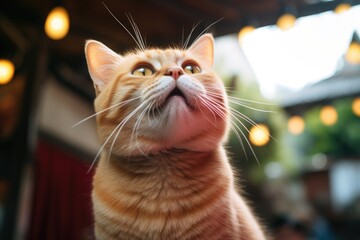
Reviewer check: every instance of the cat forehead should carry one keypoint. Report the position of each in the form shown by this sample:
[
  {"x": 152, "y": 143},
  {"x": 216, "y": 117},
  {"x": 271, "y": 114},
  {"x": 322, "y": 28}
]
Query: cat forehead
[{"x": 160, "y": 57}]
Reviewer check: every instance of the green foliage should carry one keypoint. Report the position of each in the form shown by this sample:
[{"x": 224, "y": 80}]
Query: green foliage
[{"x": 339, "y": 140}]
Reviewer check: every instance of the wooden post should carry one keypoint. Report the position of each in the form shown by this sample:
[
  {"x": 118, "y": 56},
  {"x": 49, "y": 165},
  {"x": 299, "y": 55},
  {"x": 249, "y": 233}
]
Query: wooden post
[{"x": 23, "y": 143}]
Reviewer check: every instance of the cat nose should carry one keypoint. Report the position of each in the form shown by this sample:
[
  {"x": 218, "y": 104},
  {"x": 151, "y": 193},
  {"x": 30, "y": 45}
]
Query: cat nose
[{"x": 175, "y": 72}]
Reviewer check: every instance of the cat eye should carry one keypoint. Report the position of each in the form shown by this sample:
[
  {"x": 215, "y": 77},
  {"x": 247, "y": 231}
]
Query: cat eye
[
  {"x": 191, "y": 68},
  {"x": 143, "y": 71}
]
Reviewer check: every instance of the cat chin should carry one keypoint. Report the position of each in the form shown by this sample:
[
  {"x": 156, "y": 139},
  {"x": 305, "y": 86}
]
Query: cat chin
[
  {"x": 178, "y": 107},
  {"x": 196, "y": 137}
]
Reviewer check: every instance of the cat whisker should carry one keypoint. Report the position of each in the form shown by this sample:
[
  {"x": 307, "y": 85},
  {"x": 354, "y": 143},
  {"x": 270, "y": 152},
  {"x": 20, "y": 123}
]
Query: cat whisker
[
  {"x": 101, "y": 149},
  {"x": 122, "y": 124},
  {"x": 251, "y": 101},
  {"x": 207, "y": 28},
  {"x": 135, "y": 132},
  {"x": 227, "y": 89},
  {"x": 250, "y": 107},
  {"x": 186, "y": 43},
  {"x": 244, "y": 136},
  {"x": 239, "y": 130},
  {"x": 104, "y": 110},
  {"x": 239, "y": 101},
  {"x": 157, "y": 108},
  {"x": 202, "y": 113},
  {"x": 235, "y": 112},
  {"x": 149, "y": 110},
  {"x": 138, "y": 43},
  {"x": 208, "y": 106},
  {"x": 183, "y": 37},
  {"x": 220, "y": 111},
  {"x": 153, "y": 111},
  {"x": 235, "y": 128},
  {"x": 137, "y": 32},
  {"x": 242, "y": 116},
  {"x": 216, "y": 106},
  {"x": 249, "y": 120},
  {"x": 243, "y": 99},
  {"x": 118, "y": 127}
]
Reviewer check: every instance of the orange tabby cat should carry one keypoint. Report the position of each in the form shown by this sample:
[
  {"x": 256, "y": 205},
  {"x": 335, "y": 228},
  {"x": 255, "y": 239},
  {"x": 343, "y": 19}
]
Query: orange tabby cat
[{"x": 163, "y": 118}]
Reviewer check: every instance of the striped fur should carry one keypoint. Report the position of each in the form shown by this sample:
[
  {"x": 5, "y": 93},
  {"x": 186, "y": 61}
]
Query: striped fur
[{"x": 163, "y": 171}]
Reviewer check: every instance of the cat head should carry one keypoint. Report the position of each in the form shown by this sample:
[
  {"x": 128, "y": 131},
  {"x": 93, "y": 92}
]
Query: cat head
[{"x": 152, "y": 100}]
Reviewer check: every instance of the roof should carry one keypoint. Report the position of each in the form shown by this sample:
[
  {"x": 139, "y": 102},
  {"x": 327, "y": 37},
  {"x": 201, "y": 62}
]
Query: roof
[{"x": 345, "y": 83}]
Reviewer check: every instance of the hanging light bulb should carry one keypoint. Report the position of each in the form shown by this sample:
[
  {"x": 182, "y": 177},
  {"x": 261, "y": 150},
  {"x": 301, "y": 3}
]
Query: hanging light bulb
[
  {"x": 259, "y": 135},
  {"x": 296, "y": 125},
  {"x": 57, "y": 23},
  {"x": 245, "y": 32},
  {"x": 286, "y": 21},
  {"x": 342, "y": 7},
  {"x": 352, "y": 54},
  {"x": 7, "y": 70},
  {"x": 328, "y": 115}
]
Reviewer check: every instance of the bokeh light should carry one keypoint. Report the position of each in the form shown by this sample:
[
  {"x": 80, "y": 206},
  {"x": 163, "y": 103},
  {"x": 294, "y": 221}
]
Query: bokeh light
[
  {"x": 328, "y": 115},
  {"x": 259, "y": 135},
  {"x": 356, "y": 106},
  {"x": 7, "y": 70},
  {"x": 286, "y": 21},
  {"x": 342, "y": 7},
  {"x": 244, "y": 32},
  {"x": 57, "y": 23},
  {"x": 353, "y": 53},
  {"x": 296, "y": 125}
]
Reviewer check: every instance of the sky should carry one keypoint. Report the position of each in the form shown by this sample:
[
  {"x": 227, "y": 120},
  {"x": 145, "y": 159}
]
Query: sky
[{"x": 309, "y": 52}]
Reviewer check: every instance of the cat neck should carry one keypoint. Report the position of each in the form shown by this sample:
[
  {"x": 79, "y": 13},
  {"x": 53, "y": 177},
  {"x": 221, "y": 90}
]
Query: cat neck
[
  {"x": 168, "y": 162},
  {"x": 171, "y": 156},
  {"x": 162, "y": 175}
]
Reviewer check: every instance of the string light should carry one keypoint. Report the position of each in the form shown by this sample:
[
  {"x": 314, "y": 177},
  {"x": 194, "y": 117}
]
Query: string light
[
  {"x": 356, "y": 106},
  {"x": 259, "y": 135},
  {"x": 7, "y": 70},
  {"x": 244, "y": 32},
  {"x": 328, "y": 115},
  {"x": 342, "y": 7},
  {"x": 286, "y": 21},
  {"x": 352, "y": 54},
  {"x": 57, "y": 23},
  {"x": 296, "y": 125}
]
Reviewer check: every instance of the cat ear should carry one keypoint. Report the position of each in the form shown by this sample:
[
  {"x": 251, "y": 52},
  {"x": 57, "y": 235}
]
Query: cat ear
[
  {"x": 203, "y": 48},
  {"x": 102, "y": 63}
]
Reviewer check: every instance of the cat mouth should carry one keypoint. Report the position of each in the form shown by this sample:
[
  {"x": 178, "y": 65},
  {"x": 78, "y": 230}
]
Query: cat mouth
[{"x": 176, "y": 92}]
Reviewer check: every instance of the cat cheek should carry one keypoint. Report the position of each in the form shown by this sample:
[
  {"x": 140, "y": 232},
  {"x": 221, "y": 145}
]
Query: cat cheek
[{"x": 158, "y": 90}]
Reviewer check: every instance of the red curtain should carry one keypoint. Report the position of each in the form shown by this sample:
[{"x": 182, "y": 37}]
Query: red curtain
[{"x": 62, "y": 196}]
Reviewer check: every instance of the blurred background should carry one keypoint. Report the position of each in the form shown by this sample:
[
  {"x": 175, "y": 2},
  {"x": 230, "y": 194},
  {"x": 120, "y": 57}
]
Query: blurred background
[{"x": 292, "y": 70}]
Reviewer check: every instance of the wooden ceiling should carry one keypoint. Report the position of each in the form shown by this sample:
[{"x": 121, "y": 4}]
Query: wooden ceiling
[{"x": 161, "y": 22}]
